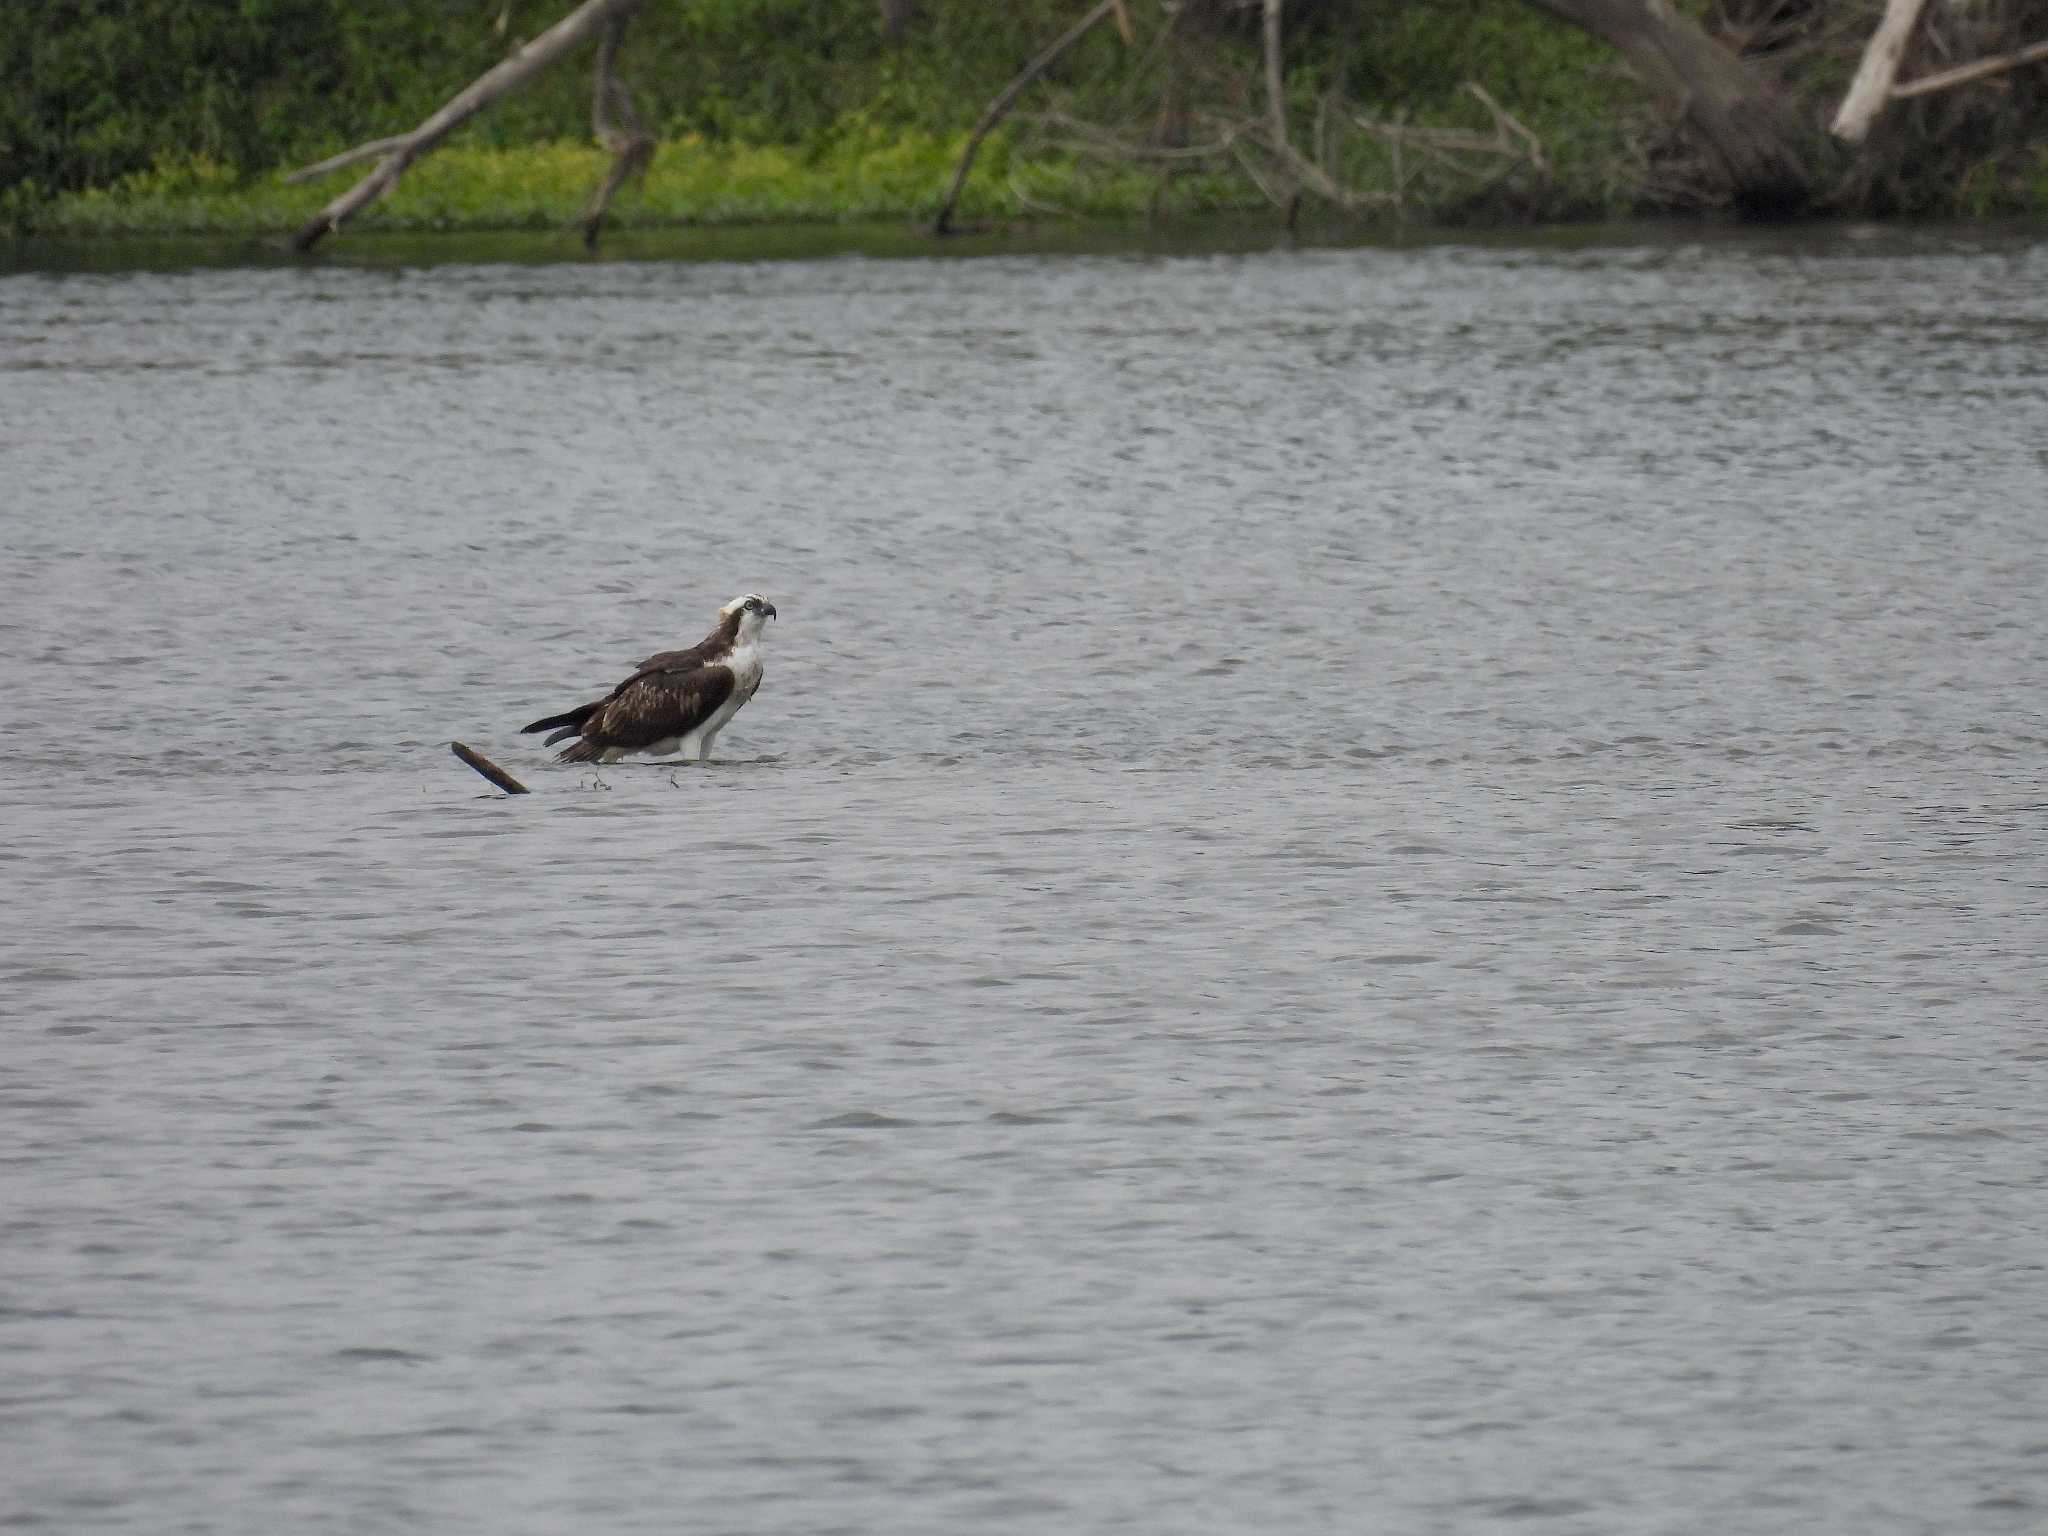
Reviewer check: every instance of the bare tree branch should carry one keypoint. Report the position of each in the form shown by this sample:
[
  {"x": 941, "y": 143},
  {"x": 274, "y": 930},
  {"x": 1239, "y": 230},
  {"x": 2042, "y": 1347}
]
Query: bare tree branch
[
  {"x": 1092, "y": 139},
  {"x": 1872, "y": 87},
  {"x": 502, "y": 78},
  {"x": 995, "y": 110},
  {"x": 1506, "y": 124},
  {"x": 1306, "y": 173},
  {"x": 361, "y": 152},
  {"x": 1963, "y": 74},
  {"x": 1279, "y": 197},
  {"x": 616, "y": 125}
]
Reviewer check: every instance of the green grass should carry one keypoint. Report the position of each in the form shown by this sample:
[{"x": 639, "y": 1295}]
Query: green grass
[{"x": 544, "y": 186}]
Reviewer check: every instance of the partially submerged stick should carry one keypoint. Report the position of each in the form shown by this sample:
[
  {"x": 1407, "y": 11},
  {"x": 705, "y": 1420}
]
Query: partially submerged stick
[{"x": 489, "y": 769}]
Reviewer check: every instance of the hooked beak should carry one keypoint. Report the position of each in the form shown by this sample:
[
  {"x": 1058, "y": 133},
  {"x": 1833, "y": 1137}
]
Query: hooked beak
[{"x": 769, "y": 609}]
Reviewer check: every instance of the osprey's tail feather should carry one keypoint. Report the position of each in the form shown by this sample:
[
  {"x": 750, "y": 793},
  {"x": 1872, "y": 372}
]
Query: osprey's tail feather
[
  {"x": 581, "y": 752},
  {"x": 569, "y": 723}
]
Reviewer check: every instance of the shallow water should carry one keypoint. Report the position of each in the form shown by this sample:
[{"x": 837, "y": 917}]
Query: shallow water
[{"x": 1389, "y": 889}]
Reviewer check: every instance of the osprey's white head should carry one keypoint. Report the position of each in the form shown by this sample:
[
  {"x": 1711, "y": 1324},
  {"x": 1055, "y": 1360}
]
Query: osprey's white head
[{"x": 754, "y": 611}]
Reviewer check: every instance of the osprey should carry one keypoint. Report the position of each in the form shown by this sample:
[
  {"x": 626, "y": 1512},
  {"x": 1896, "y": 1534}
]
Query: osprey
[{"x": 675, "y": 701}]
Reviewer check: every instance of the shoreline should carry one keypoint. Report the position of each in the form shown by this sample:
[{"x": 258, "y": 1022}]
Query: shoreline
[
  {"x": 1213, "y": 234},
  {"x": 543, "y": 186},
  {"x": 1488, "y": 116},
  {"x": 706, "y": 193}
]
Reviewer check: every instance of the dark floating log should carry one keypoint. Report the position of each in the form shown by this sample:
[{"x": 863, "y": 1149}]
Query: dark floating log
[{"x": 489, "y": 769}]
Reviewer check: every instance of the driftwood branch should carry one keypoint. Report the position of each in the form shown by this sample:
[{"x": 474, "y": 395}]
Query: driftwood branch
[
  {"x": 489, "y": 769},
  {"x": 508, "y": 75},
  {"x": 1963, "y": 74},
  {"x": 996, "y": 109},
  {"x": 1872, "y": 87},
  {"x": 616, "y": 125}
]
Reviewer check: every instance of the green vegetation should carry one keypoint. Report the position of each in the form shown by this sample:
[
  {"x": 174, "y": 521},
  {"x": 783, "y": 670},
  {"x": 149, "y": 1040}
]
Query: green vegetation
[
  {"x": 182, "y": 115},
  {"x": 542, "y": 185}
]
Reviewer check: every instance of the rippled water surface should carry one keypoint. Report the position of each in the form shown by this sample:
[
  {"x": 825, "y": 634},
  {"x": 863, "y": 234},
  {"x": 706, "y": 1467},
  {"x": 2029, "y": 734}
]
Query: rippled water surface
[{"x": 1391, "y": 889}]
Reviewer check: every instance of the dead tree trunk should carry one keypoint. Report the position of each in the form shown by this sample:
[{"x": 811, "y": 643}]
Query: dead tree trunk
[
  {"x": 393, "y": 155},
  {"x": 1872, "y": 87},
  {"x": 1754, "y": 135}
]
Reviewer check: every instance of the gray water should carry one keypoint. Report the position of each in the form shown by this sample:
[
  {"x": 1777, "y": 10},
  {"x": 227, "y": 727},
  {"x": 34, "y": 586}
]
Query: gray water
[{"x": 1385, "y": 889}]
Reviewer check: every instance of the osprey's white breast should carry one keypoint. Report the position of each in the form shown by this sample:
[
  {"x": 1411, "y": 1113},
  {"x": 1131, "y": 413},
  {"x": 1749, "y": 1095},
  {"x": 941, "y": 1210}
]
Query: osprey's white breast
[{"x": 745, "y": 664}]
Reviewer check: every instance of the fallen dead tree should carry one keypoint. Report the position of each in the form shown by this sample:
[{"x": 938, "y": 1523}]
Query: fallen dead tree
[{"x": 632, "y": 148}]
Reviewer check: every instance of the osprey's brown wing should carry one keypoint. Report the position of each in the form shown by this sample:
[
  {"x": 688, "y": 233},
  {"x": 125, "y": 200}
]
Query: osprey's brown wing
[
  {"x": 673, "y": 661},
  {"x": 651, "y": 706}
]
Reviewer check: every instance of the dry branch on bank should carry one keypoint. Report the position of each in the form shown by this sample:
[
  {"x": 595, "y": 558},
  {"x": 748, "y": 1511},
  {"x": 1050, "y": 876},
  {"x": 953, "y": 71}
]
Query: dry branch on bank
[
  {"x": 1510, "y": 144},
  {"x": 1876, "y": 81},
  {"x": 1966, "y": 74}
]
